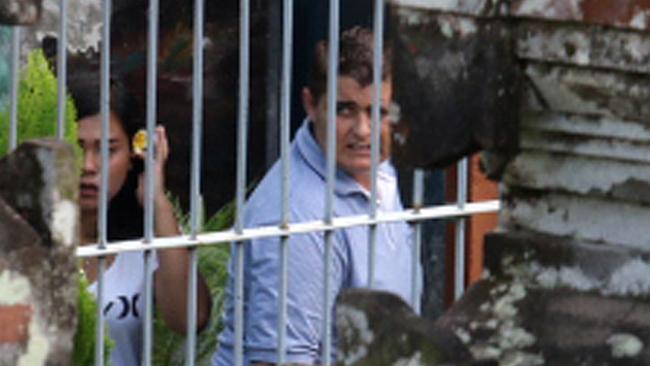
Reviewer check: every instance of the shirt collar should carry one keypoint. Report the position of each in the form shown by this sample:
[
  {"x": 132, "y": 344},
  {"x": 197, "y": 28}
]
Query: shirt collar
[{"x": 314, "y": 155}]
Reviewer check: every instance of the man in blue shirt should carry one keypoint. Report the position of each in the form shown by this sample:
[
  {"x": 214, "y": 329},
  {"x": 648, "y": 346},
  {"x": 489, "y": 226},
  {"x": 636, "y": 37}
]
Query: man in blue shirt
[{"x": 307, "y": 203}]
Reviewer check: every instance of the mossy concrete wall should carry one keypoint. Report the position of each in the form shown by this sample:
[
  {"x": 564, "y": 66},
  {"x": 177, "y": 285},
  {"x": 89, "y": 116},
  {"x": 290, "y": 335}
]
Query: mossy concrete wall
[
  {"x": 38, "y": 269},
  {"x": 568, "y": 269}
]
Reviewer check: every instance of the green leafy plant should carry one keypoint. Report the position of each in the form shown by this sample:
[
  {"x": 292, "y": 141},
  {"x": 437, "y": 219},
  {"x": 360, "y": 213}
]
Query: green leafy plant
[
  {"x": 84, "y": 341},
  {"x": 37, "y": 105},
  {"x": 169, "y": 348}
]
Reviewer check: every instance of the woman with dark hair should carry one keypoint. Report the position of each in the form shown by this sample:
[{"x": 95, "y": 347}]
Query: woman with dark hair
[{"x": 123, "y": 301}]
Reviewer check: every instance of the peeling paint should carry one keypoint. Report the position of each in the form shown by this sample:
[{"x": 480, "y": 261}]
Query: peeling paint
[
  {"x": 64, "y": 222},
  {"x": 84, "y": 25},
  {"x": 463, "y": 335},
  {"x": 508, "y": 338},
  {"x": 415, "y": 360},
  {"x": 38, "y": 346},
  {"x": 14, "y": 288},
  {"x": 469, "y": 6},
  {"x": 566, "y": 9},
  {"x": 584, "y": 218},
  {"x": 640, "y": 20},
  {"x": 631, "y": 278},
  {"x": 521, "y": 359},
  {"x": 357, "y": 328},
  {"x": 625, "y": 345}
]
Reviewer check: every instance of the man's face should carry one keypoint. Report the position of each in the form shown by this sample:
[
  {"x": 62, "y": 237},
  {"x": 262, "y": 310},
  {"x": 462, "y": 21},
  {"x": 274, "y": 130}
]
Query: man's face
[{"x": 353, "y": 125}]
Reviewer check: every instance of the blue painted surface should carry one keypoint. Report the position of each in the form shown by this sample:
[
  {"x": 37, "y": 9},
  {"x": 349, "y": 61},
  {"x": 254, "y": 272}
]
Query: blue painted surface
[{"x": 5, "y": 64}]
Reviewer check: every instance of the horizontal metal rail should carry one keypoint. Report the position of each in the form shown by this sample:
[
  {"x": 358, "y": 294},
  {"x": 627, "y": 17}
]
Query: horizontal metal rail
[{"x": 410, "y": 215}]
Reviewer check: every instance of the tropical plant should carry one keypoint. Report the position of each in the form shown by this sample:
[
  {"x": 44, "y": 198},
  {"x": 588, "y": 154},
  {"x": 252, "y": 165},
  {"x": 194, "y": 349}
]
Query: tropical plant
[
  {"x": 84, "y": 340},
  {"x": 169, "y": 348},
  {"x": 37, "y": 105}
]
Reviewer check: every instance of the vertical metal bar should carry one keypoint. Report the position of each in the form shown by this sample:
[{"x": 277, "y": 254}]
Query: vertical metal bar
[
  {"x": 459, "y": 279},
  {"x": 195, "y": 201},
  {"x": 152, "y": 58},
  {"x": 148, "y": 310},
  {"x": 15, "y": 78},
  {"x": 197, "y": 117},
  {"x": 285, "y": 126},
  {"x": 418, "y": 194},
  {"x": 102, "y": 232},
  {"x": 105, "y": 109},
  {"x": 61, "y": 67},
  {"x": 378, "y": 49},
  {"x": 242, "y": 129},
  {"x": 149, "y": 226},
  {"x": 332, "y": 85},
  {"x": 192, "y": 293},
  {"x": 99, "y": 313}
]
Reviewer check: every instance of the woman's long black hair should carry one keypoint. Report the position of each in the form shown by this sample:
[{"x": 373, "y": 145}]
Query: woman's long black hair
[{"x": 125, "y": 215}]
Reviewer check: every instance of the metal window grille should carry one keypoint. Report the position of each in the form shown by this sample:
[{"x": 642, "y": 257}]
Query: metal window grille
[{"x": 239, "y": 234}]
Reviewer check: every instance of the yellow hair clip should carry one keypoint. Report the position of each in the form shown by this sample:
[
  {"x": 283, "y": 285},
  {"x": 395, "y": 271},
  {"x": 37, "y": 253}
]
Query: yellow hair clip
[{"x": 139, "y": 142}]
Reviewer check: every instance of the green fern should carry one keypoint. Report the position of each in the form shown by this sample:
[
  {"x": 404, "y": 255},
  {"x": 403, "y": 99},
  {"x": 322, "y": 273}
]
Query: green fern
[
  {"x": 37, "y": 105},
  {"x": 169, "y": 348},
  {"x": 84, "y": 341}
]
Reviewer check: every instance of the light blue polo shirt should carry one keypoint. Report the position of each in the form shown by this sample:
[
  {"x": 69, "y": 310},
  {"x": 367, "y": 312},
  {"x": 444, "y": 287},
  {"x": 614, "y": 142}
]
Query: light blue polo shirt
[{"x": 306, "y": 252}]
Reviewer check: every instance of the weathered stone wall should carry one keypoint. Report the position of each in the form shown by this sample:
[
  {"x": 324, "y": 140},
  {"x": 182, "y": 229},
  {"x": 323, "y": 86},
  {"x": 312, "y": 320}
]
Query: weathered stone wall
[
  {"x": 20, "y": 11},
  {"x": 38, "y": 271},
  {"x": 569, "y": 267}
]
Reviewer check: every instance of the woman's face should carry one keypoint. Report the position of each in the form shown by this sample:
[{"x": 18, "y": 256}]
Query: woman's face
[{"x": 119, "y": 159}]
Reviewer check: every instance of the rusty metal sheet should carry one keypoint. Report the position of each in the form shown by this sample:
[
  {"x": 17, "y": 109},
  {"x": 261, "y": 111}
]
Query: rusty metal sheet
[
  {"x": 457, "y": 85},
  {"x": 589, "y": 92},
  {"x": 20, "y": 12},
  {"x": 633, "y": 14},
  {"x": 584, "y": 45}
]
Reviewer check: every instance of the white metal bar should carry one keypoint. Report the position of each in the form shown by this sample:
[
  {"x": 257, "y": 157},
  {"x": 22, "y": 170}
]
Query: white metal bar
[
  {"x": 428, "y": 213},
  {"x": 99, "y": 312},
  {"x": 195, "y": 189},
  {"x": 332, "y": 84},
  {"x": 459, "y": 278},
  {"x": 61, "y": 67},
  {"x": 378, "y": 50},
  {"x": 152, "y": 88},
  {"x": 285, "y": 129},
  {"x": 418, "y": 193},
  {"x": 105, "y": 110},
  {"x": 13, "y": 93},
  {"x": 149, "y": 191},
  {"x": 192, "y": 293},
  {"x": 242, "y": 130},
  {"x": 197, "y": 116},
  {"x": 102, "y": 232},
  {"x": 147, "y": 339}
]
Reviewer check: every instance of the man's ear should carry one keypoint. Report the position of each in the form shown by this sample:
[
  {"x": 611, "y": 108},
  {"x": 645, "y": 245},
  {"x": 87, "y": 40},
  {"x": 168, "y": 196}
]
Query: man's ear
[{"x": 308, "y": 103}]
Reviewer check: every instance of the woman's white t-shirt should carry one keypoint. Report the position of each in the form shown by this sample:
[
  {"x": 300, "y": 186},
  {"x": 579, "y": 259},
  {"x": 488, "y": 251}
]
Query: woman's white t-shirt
[{"x": 123, "y": 305}]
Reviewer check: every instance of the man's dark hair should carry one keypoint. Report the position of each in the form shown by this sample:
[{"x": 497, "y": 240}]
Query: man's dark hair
[{"x": 355, "y": 60}]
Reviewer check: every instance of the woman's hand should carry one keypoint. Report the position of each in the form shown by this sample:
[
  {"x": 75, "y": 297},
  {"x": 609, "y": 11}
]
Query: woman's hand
[{"x": 161, "y": 154}]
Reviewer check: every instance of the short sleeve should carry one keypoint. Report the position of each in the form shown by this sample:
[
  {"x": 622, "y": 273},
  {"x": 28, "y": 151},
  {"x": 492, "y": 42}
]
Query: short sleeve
[{"x": 304, "y": 300}]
